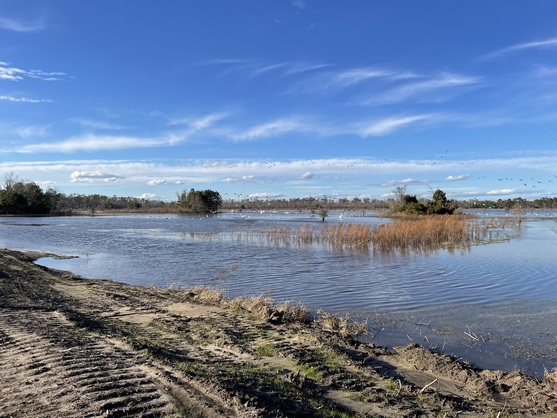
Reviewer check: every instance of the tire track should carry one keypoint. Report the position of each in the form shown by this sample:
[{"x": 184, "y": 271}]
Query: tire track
[{"x": 81, "y": 376}]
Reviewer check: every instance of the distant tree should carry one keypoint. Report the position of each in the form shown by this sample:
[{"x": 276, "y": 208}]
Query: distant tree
[
  {"x": 440, "y": 205},
  {"x": 195, "y": 201},
  {"x": 19, "y": 198}
]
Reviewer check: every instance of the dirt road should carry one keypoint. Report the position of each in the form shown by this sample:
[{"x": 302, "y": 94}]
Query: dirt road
[{"x": 76, "y": 347}]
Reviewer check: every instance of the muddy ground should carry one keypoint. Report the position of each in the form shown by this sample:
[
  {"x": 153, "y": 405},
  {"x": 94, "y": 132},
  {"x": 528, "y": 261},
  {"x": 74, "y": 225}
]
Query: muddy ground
[{"x": 77, "y": 347}]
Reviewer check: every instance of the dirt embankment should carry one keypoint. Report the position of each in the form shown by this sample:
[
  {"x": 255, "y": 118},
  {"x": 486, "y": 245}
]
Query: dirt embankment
[{"x": 76, "y": 347}]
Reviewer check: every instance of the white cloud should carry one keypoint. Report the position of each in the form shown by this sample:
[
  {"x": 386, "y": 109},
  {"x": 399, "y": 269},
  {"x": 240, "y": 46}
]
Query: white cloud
[
  {"x": 96, "y": 124},
  {"x": 92, "y": 143},
  {"x": 31, "y": 131},
  {"x": 156, "y": 182},
  {"x": 274, "y": 128},
  {"x": 300, "y": 4},
  {"x": 200, "y": 123},
  {"x": 456, "y": 178},
  {"x": 35, "y": 25},
  {"x": 94, "y": 176},
  {"x": 386, "y": 126},
  {"x": 151, "y": 196},
  {"x": 302, "y": 67},
  {"x": 501, "y": 192},
  {"x": 356, "y": 75},
  {"x": 418, "y": 89},
  {"x": 306, "y": 176},
  {"x": 334, "y": 81},
  {"x": 17, "y": 74},
  {"x": 546, "y": 43},
  {"x": 264, "y": 195},
  {"x": 267, "y": 68},
  {"x": 23, "y": 99},
  {"x": 247, "y": 178}
]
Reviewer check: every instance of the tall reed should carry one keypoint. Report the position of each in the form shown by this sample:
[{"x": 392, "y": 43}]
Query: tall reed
[{"x": 423, "y": 233}]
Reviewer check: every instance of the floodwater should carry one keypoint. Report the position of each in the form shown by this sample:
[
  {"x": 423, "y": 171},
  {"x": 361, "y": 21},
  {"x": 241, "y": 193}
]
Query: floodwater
[{"x": 494, "y": 304}]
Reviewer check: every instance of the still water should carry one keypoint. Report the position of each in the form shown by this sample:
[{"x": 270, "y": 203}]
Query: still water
[{"x": 494, "y": 305}]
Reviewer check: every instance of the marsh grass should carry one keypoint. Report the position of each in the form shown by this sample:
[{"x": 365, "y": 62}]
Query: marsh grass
[
  {"x": 341, "y": 324},
  {"x": 259, "y": 306},
  {"x": 407, "y": 234}
]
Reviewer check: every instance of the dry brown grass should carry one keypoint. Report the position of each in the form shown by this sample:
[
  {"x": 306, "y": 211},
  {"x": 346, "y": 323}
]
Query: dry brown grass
[
  {"x": 423, "y": 234},
  {"x": 341, "y": 324},
  {"x": 420, "y": 234},
  {"x": 258, "y": 306}
]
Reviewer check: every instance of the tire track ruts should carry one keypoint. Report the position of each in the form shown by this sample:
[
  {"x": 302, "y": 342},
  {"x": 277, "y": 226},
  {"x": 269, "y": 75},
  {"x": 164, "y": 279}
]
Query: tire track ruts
[{"x": 83, "y": 376}]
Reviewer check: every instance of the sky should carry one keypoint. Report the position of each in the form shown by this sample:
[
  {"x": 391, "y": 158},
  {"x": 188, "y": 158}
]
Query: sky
[{"x": 280, "y": 98}]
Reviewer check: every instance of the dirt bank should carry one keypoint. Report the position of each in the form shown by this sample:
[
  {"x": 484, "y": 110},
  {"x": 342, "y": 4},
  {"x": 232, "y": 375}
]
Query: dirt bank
[{"x": 76, "y": 347}]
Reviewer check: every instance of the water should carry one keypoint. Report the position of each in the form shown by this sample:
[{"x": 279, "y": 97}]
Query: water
[{"x": 492, "y": 304}]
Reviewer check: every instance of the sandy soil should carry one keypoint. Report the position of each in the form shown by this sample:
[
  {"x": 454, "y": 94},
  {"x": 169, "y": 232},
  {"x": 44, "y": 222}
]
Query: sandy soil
[{"x": 76, "y": 347}]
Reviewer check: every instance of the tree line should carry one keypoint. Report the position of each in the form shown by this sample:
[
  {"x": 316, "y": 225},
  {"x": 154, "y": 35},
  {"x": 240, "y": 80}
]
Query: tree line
[{"x": 20, "y": 198}]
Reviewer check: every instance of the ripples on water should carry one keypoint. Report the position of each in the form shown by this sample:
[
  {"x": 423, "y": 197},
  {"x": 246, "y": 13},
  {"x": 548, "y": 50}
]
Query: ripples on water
[{"x": 162, "y": 250}]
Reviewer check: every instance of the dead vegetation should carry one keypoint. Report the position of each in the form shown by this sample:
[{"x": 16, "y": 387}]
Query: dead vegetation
[{"x": 404, "y": 234}]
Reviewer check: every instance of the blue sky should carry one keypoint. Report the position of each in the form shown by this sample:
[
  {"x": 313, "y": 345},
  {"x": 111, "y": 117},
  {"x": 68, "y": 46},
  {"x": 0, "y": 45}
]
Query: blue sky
[{"x": 280, "y": 98}]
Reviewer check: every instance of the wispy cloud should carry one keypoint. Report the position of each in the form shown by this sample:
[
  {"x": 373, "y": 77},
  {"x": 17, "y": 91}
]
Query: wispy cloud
[
  {"x": 422, "y": 90},
  {"x": 91, "y": 143},
  {"x": 269, "y": 129},
  {"x": 24, "y": 99},
  {"x": 32, "y": 131},
  {"x": 14, "y": 25},
  {"x": 300, "y": 4},
  {"x": 303, "y": 67},
  {"x": 267, "y": 68},
  {"x": 356, "y": 75},
  {"x": 325, "y": 82},
  {"x": 11, "y": 73},
  {"x": 544, "y": 44},
  {"x": 388, "y": 125},
  {"x": 97, "y": 124},
  {"x": 199, "y": 123}
]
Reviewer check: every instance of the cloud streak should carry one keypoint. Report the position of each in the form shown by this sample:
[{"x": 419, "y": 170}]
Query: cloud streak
[
  {"x": 11, "y": 73},
  {"x": 270, "y": 129},
  {"x": 14, "y": 25},
  {"x": 422, "y": 90},
  {"x": 24, "y": 99},
  {"x": 387, "y": 126},
  {"x": 544, "y": 44}
]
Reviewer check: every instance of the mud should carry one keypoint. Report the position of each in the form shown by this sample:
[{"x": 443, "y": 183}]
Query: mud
[{"x": 77, "y": 347}]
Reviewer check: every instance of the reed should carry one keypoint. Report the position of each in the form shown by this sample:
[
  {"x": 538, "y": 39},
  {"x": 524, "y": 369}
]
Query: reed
[
  {"x": 418, "y": 234},
  {"x": 425, "y": 233}
]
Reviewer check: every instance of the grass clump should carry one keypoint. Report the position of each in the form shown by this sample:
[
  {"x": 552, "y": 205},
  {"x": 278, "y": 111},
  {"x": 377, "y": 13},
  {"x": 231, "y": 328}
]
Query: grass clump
[
  {"x": 341, "y": 324},
  {"x": 258, "y": 306}
]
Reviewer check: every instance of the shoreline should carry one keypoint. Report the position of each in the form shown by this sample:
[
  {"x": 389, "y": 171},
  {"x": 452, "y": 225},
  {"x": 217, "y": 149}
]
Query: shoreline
[{"x": 82, "y": 346}]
